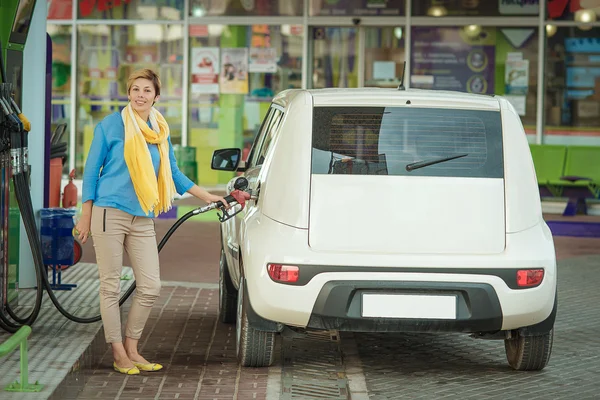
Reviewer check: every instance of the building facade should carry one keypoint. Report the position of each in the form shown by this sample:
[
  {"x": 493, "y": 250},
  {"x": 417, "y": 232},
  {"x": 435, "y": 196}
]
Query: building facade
[{"x": 222, "y": 61}]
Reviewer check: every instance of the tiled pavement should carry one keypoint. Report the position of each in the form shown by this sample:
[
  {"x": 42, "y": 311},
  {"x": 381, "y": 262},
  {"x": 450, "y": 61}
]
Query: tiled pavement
[
  {"x": 199, "y": 356},
  {"x": 407, "y": 366},
  {"x": 197, "y": 351}
]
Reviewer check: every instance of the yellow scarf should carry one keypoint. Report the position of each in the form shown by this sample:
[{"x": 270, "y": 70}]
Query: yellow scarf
[{"x": 153, "y": 194}]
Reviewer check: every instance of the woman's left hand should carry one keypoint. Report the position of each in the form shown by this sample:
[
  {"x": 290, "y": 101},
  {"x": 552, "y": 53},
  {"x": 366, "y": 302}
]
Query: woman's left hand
[
  {"x": 204, "y": 195},
  {"x": 213, "y": 198}
]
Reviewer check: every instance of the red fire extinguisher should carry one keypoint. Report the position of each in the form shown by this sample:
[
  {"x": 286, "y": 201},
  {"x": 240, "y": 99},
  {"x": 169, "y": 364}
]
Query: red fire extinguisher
[{"x": 69, "y": 198}]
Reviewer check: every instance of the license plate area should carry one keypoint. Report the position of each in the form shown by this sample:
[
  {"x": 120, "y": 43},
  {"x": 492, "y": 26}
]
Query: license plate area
[{"x": 409, "y": 306}]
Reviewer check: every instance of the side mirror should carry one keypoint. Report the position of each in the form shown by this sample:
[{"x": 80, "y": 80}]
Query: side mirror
[{"x": 226, "y": 159}]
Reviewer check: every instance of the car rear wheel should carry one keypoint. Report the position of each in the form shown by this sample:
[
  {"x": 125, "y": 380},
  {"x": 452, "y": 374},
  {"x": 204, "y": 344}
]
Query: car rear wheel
[
  {"x": 227, "y": 293},
  {"x": 254, "y": 348},
  {"x": 529, "y": 353}
]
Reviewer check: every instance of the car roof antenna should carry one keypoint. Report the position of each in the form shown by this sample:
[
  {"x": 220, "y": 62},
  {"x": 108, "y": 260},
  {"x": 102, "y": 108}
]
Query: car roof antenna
[{"x": 401, "y": 87}]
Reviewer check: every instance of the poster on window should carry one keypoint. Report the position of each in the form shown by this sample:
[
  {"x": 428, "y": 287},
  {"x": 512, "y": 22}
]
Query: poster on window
[
  {"x": 263, "y": 60},
  {"x": 453, "y": 59},
  {"x": 234, "y": 71},
  {"x": 516, "y": 77},
  {"x": 205, "y": 70}
]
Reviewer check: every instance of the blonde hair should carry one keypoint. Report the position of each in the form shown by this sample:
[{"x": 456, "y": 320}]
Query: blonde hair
[{"x": 144, "y": 74}]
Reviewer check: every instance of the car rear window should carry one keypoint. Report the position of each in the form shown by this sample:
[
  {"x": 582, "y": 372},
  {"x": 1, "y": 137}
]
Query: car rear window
[{"x": 384, "y": 140}]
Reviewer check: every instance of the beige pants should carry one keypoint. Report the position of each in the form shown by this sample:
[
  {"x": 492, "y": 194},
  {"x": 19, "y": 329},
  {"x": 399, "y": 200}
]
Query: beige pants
[{"x": 112, "y": 231}]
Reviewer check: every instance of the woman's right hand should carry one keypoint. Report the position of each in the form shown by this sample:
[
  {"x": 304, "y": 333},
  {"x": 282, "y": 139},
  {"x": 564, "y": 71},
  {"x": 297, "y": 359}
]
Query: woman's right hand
[{"x": 82, "y": 229}]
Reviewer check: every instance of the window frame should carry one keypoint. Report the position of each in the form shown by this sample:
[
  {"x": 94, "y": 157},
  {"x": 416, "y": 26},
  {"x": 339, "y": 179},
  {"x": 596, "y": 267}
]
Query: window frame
[
  {"x": 266, "y": 126},
  {"x": 259, "y": 137},
  {"x": 270, "y": 133}
]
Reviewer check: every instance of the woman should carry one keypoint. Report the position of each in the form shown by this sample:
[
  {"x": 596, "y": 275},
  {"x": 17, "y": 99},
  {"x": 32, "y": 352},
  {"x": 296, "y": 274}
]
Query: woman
[{"x": 131, "y": 176}]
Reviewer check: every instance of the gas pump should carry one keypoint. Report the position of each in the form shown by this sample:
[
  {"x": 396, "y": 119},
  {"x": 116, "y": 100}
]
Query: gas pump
[{"x": 15, "y": 18}]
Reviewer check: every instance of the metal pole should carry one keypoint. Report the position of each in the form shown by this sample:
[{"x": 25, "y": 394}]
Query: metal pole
[
  {"x": 407, "y": 46},
  {"x": 539, "y": 125},
  {"x": 305, "y": 56},
  {"x": 186, "y": 65},
  {"x": 73, "y": 92},
  {"x": 361, "y": 55},
  {"x": 24, "y": 364}
]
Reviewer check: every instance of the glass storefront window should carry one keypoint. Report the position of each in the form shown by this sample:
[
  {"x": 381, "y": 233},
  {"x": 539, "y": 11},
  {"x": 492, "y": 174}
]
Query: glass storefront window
[
  {"x": 477, "y": 59},
  {"x": 356, "y": 7},
  {"x": 384, "y": 56},
  {"x": 475, "y": 8},
  {"x": 252, "y": 63},
  {"x": 107, "y": 55},
  {"x": 572, "y": 98},
  {"x": 335, "y": 57},
  {"x": 234, "y": 73},
  {"x": 60, "y": 35},
  {"x": 203, "y": 8},
  {"x": 170, "y": 10}
]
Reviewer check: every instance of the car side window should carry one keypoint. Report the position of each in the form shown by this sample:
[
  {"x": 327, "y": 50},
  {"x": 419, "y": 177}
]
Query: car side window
[
  {"x": 269, "y": 135},
  {"x": 260, "y": 136}
]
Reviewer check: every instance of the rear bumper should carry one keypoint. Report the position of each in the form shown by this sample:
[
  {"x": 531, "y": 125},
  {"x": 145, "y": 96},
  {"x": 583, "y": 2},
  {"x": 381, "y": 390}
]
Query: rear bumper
[
  {"x": 339, "y": 305},
  {"x": 484, "y": 303}
]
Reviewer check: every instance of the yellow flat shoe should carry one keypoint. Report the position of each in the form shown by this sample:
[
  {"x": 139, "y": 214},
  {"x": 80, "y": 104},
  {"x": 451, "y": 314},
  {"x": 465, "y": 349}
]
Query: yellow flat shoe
[
  {"x": 148, "y": 367},
  {"x": 127, "y": 371}
]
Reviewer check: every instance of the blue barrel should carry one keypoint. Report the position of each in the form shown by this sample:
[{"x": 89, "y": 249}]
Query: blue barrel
[{"x": 56, "y": 230}]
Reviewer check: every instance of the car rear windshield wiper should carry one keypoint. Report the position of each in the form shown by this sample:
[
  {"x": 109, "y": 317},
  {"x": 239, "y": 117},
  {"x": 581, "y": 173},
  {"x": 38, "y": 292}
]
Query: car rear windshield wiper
[{"x": 421, "y": 164}]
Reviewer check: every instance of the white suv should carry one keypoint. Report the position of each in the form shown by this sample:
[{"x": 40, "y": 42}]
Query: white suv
[{"x": 382, "y": 210}]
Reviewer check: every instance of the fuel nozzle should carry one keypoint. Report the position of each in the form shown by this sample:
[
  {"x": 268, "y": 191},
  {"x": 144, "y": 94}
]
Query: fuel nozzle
[
  {"x": 13, "y": 128},
  {"x": 241, "y": 183},
  {"x": 24, "y": 128},
  {"x": 21, "y": 116},
  {"x": 12, "y": 120}
]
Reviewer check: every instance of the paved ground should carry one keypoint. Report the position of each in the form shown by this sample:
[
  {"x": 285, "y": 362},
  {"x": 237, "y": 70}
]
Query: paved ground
[
  {"x": 198, "y": 351},
  {"x": 198, "y": 354},
  {"x": 455, "y": 366}
]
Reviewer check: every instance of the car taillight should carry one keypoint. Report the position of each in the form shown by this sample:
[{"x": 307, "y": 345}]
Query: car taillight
[
  {"x": 529, "y": 277},
  {"x": 283, "y": 273}
]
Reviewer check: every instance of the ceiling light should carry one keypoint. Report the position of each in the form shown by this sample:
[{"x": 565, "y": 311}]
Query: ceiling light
[
  {"x": 437, "y": 11},
  {"x": 472, "y": 30},
  {"x": 398, "y": 32},
  {"x": 551, "y": 30},
  {"x": 198, "y": 12},
  {"x": 586, "y": 17}
]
